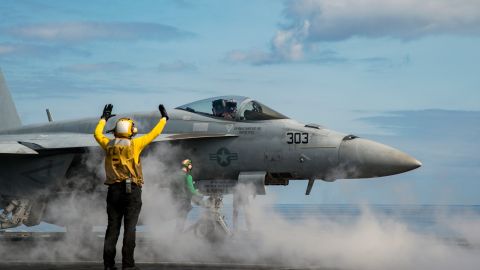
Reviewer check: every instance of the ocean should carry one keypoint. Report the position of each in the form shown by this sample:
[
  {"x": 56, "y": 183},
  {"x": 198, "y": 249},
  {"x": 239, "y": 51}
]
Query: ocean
[
  {"x": 417, "y": 218},
  {"x": 420, "y": 219}
]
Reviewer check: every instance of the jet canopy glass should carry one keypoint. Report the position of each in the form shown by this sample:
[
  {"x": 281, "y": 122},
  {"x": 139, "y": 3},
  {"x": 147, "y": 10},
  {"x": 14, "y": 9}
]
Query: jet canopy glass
[{"x": 234, "y": 108}]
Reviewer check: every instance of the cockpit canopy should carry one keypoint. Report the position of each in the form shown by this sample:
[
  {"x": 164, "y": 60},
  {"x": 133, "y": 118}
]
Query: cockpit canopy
[{"x": 234, "y": 108}]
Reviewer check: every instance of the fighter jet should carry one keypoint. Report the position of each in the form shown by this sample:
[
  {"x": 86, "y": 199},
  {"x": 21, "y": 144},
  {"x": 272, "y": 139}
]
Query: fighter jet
[{"x": 233, "y": 139}]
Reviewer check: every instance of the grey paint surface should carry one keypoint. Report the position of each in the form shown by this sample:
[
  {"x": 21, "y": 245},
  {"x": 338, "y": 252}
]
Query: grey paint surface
[
  {"x": 36, "y": 161},
  {"x": 9, "y": 116}
]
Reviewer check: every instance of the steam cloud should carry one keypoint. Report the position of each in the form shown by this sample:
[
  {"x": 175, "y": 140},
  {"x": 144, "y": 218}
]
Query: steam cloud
[{"x": 371, "y": 241}]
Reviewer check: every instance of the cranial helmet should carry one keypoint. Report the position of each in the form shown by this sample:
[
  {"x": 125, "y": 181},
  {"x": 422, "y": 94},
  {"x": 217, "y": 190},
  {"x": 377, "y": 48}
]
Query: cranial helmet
[
  {"x": 187, "y": 165},
  {"x": 125, "y": 128}
]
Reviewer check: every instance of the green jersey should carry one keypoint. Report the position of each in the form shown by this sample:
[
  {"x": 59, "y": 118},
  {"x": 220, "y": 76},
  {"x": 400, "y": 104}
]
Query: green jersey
[
  {"x": 183, "y": 187},
  {"x": 191, "y": 184}
]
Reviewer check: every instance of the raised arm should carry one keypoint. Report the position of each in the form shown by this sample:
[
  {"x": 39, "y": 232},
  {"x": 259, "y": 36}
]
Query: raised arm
[
  {"x": 99, "y": 137},
  {"x": 143, "y": 141},
  {"x": 98, "y": 134}
]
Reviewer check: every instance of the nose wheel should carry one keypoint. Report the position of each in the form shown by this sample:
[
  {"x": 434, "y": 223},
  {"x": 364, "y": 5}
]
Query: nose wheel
[{"x": 212, "y": 225}]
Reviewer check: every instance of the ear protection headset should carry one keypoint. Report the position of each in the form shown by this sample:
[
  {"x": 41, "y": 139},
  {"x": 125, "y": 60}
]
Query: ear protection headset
[
  {"x": 125, "y": 128},
  {"x": 187, "y": 165}
]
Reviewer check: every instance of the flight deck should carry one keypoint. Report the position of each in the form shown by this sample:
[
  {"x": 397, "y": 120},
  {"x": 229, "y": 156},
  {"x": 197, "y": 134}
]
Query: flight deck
[
  {"x": 33, "y": 250},
  {"x": 267, "y": 247},
  {"x": 143, "y": 266}
]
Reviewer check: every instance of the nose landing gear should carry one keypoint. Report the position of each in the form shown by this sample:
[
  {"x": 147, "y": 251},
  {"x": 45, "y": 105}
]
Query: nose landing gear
[{"x": 212, "y": 225}]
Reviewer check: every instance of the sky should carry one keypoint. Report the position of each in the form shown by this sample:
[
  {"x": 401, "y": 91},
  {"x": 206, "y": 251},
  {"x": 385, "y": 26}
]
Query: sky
[{"x": 401, "y": 72}]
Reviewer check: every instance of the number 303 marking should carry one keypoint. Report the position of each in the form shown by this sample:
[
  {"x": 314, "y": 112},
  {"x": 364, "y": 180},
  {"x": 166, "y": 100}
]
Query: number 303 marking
[{"x": 297, "y": 138}]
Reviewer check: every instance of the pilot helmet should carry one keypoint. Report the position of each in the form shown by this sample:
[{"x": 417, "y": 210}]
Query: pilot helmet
[
  {"x": 222, "y": 106},
  {"x": 125, "y": 128},
  {"x": 218, "y": 107},
  {"x": 231, "y": 106},
  {"x": 187, "y": 165}
]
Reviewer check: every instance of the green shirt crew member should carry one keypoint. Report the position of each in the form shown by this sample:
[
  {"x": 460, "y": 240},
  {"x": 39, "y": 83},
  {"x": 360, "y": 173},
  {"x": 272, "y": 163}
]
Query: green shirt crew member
[{"x": 183, "y": 193}]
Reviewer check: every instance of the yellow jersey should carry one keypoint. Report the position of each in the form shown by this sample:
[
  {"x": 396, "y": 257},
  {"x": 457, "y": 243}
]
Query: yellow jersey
[{"x": 122, "y": 159}]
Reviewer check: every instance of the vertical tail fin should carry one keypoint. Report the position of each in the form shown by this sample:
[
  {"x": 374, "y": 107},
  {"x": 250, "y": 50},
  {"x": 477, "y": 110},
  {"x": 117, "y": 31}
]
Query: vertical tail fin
[{"x": 9, "y": 118}]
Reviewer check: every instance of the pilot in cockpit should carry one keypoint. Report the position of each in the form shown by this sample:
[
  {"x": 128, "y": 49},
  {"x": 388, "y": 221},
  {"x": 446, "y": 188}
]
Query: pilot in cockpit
[{"x": 224, "y": 108}]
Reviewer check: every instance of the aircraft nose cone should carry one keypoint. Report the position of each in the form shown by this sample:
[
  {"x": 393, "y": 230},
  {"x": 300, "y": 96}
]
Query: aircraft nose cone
[{"x": 361, "y": 158}]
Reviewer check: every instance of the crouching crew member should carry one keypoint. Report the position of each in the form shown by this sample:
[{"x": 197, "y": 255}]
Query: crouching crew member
[{"x": 124, "y": 180}]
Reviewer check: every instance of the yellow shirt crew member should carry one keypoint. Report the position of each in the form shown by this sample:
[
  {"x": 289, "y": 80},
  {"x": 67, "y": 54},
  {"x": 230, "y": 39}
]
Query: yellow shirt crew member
[{"x": 124, "y": 179}]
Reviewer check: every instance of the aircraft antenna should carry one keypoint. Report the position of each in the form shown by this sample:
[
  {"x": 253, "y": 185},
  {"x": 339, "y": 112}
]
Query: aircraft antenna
[
  {"x": 49, "y": 116},
  {"x": 309, "y": 186}
]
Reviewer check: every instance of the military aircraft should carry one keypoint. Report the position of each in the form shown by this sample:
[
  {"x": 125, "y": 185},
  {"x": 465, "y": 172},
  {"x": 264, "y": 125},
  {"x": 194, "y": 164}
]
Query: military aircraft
[{"x": 234, "y": 140}]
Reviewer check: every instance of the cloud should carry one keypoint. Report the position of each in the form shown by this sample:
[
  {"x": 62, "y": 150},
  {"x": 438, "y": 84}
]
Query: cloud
[
  {"x": 177, "y": 66},
  {"x": 402, "y": 19},
  {"x": 68, "y": 32},
  {"x": 181, "y": 4},
  {"x": 375, "y": 64},
  {"x": 98, "y": 67},
  {"x": 22, "y": 10},
  {"x": 310, "y": 22},
  {"x": 325, "y": 57},
  {"x": 34, "y": 50},
  {"x": 433, "y": 124},
  {"x": 258, "y": 57},
  {"x": 254, "y": 56}
]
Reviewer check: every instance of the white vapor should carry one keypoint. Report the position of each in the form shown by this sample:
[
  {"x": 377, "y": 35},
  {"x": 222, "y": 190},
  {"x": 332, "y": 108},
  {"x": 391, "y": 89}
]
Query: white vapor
[
  {"x": 309, "y": 22},
  {"x": 369, "y": 241}
]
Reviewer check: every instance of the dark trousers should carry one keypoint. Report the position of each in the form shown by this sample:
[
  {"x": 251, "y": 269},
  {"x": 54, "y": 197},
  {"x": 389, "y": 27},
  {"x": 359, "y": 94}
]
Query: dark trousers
[
  {"x": 127, "y": 206},
  {"x": 183, "y": 206}
]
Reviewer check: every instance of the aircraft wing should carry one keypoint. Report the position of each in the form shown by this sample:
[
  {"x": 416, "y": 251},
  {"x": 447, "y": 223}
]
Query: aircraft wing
[
  {"x": 13, "y": 147},
  {"x": 32, "y": 143},
  {"x": 191, "y": 136}
]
